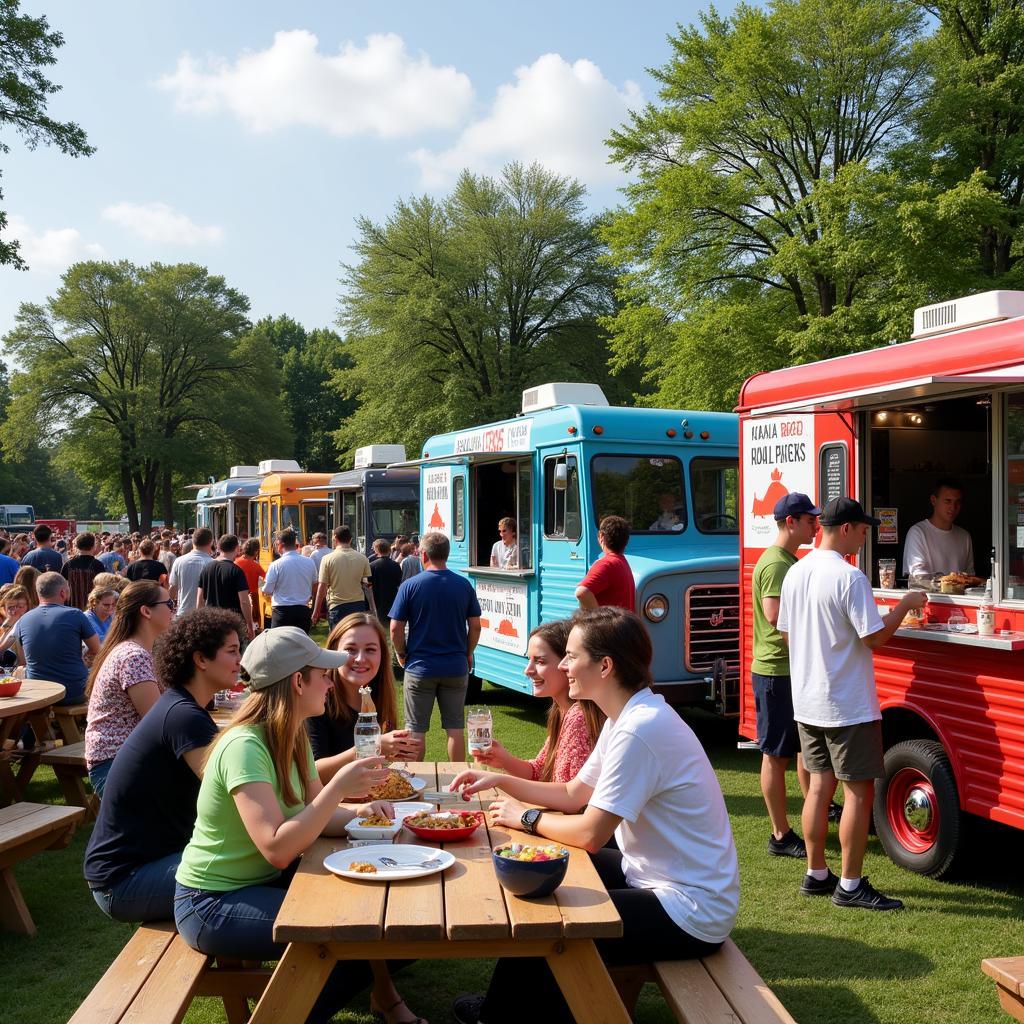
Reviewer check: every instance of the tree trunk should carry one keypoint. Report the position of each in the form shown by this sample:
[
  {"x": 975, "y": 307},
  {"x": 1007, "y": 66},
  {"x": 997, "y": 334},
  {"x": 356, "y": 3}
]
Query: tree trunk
[
  {"x": 128, "y": 493},
  {"x": 168, "y": 496}
]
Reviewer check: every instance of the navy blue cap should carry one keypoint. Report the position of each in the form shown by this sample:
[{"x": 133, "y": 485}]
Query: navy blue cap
[
  {"x": 795, "y": 504},
  {"x": 846, "y": 510}
]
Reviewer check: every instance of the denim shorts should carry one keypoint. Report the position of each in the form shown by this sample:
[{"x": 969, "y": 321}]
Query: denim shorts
[
  {"x": 419, "y": 694},
  {"x": 777, "y": 734}
]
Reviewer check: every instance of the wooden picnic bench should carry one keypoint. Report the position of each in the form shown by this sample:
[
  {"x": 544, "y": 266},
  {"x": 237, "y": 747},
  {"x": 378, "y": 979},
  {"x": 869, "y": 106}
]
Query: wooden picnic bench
[
  {"x": 30, "y": 706},
  {"x": 68, "y": 764},
  {"x": 69, "y": 720},
  {"x": 1008, "y": 972},
  {"x": 27, "y": 829},
  {"x": 157, "y": 975}
]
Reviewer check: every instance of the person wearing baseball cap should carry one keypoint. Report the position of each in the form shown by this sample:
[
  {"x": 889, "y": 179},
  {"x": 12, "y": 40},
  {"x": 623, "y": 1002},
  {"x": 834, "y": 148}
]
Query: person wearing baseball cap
[
  {"x": 796, "y": 517},
  {"x": 828, "y": 618},
  {"x": 261, "y": 805}
]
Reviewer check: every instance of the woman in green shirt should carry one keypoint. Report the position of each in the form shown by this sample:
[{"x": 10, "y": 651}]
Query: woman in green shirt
[{"x": 261, "y": 805}]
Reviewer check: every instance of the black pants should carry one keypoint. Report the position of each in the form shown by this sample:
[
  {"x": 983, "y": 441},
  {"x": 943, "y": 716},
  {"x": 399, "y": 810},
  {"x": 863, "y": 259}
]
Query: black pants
[
  {"x": 292, "y": 615},
  {"x": 648, "y": 934}
]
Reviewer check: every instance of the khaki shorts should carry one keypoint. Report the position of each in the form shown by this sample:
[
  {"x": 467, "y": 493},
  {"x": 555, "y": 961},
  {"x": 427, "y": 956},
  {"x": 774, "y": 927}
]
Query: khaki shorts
[{"x": 853, "y": 752}]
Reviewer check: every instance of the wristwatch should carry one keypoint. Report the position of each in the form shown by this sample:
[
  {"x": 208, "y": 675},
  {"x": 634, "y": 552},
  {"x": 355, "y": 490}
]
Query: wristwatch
[{"x": 529, "y": 820}]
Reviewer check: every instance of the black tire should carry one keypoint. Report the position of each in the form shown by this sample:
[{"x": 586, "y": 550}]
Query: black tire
[
  {"x": 921, "y": 767},
  {"x": 473, "y": 689}
]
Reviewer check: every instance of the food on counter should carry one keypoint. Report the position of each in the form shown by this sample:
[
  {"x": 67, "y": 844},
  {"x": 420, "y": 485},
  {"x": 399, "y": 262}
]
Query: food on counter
[
  {"x": 395, "y": 787},
  {"x": 962, "y": 579},
  {"x": 361, "y": 867}
]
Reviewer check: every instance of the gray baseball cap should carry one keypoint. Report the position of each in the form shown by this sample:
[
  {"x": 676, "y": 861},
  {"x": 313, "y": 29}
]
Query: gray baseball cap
[{"x": 276, "y": 653}]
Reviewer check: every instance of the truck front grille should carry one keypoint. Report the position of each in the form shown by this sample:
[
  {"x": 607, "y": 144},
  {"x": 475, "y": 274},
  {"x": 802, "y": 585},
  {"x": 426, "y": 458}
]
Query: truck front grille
[{"x": 712, "y": 619}]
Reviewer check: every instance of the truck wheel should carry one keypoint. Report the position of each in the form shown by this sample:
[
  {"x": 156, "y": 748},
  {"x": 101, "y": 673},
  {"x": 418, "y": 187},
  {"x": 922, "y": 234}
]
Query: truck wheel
[
  {"x": 473, "y": 690},
  {"x": 917, "y": 808}
]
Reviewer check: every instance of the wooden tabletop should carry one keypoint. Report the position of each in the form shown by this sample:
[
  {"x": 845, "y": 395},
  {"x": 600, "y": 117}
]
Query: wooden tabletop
[
  {"x": 33, "y": 695},
  {"x": 463, "y": 904}
]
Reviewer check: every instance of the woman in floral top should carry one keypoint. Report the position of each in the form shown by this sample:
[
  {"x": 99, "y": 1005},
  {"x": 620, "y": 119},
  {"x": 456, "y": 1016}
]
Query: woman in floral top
[
  {"x": 122, "y": 685},
  {"x": 573, "y": 726}
]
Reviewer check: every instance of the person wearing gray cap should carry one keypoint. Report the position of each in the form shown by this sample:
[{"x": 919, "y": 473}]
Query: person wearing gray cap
[{"x": 261, "y": 805}]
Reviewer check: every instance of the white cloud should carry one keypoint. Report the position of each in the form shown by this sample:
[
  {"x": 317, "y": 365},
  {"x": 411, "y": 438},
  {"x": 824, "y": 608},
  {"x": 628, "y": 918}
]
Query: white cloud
[
  {"x": 556, "y": 113},
  {"x": 379, "y": 89},
  {"x": 54, "y": 249},
  {"x": 158, "y": 222}
]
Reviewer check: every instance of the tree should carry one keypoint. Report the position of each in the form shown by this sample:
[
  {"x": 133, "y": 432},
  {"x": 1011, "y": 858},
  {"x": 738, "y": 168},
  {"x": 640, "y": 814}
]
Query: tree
[
  {"x": 26, "y": 46},
  {"x": 139, "y": 373},
  {"x": 456, "y": 305},
  {"x": 767, "y": 223}
]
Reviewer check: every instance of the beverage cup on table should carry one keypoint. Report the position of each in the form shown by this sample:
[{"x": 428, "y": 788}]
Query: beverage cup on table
[
  {"x": 887, "y": 573},
  {"x": 479, "y": 726}
]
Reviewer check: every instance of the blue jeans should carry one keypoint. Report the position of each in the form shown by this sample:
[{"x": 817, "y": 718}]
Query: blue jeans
[
  {"x": 98, "y": 776},
  {"x": 240, "y": 924},
  {"x": 147, "y": 894}
]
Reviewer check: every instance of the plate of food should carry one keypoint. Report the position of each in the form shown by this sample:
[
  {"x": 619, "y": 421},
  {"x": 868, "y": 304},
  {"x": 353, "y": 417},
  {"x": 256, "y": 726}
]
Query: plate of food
[
  {"x": 375, "y": 826},
  {"x": 398, "y": 785},
  {"x": 958, "y": 582},
  {"x": 444, "y": 827},
  {"x": 370, "y": 863}
]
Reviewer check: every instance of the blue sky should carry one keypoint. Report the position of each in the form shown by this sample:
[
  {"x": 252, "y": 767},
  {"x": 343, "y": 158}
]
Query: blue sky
[{"x": 248, "y": 137}]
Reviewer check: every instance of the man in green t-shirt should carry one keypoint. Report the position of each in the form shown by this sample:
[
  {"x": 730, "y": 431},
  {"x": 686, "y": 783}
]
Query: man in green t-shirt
[{"x": 797, "y": 520}]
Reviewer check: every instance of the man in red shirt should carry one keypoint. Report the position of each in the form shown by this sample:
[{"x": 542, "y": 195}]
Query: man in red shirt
[{"x": 610, "y": 580}]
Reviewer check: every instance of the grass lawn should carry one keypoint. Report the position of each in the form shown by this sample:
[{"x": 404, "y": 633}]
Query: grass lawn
[{"x": 918, "y": 967}]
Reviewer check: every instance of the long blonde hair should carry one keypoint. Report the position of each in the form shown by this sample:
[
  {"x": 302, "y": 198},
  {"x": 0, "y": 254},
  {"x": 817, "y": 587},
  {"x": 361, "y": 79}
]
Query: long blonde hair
[
  {"x": 272, "y": 708},
  {"x": 382, "y": 686}
]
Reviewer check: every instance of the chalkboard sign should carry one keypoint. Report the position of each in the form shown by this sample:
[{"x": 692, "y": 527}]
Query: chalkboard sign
[{"x": 832, "y": 474}]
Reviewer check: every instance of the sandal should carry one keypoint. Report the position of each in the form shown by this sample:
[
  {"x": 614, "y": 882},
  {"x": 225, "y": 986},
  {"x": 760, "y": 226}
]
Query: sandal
[{"x": 382, "y": 1015}]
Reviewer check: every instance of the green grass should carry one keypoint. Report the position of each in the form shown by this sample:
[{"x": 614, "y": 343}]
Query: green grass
[{"x": 918, "y": 967}]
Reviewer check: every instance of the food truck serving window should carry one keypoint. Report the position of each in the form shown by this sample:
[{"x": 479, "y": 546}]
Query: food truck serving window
[
  {"x": 502, "y": 490},
  {"x": 1014, "y": 433},
  {"x": 646, "y": 490},
  {"x": 714, "y": 484}
]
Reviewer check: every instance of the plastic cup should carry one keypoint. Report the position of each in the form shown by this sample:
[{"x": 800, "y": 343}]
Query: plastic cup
[{"x": 887, "y": 573}]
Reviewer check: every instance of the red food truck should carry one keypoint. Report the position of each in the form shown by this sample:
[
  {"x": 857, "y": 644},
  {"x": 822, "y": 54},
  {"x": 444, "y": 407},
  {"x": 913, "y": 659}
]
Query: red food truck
[{"x": 886, "y": 426}]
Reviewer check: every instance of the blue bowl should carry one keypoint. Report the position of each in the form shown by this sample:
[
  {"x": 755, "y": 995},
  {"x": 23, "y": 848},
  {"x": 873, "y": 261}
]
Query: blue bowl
[{"x": 530, "y": 878}]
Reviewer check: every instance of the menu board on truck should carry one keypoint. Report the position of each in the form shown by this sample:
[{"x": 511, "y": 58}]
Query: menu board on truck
[
  {"x": 502, "y": 615},
  {"x": 437, "y": 500}
]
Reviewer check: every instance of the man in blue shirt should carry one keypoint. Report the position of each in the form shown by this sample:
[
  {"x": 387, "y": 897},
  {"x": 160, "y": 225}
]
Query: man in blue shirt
[
  {"x": 443, "y": 615},
  {"x": 51, "y": 637},
  {"x": 290, "y": 584},
  {"x": 43, "y": 557},
  {"x": 8, "y": 566},
  {"x": 114, "y": 560}
]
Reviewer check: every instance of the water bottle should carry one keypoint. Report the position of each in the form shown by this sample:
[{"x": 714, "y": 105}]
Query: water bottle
[
  {"x": 987, "y": 612},
  {"x": 367, "y": 730}
]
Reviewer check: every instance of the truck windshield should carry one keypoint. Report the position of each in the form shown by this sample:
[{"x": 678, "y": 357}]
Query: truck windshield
[
  {"x": 646, "y": 490},
  {"x": 714, "y": 484},
  {"x": 19, "y": 518},
  {"x": 394, "y": 510}
]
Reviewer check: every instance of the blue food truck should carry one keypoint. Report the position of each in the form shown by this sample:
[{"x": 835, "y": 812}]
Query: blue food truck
[
  {"x": 223, "y": 505},
  {"x": 557, "y": 469}
]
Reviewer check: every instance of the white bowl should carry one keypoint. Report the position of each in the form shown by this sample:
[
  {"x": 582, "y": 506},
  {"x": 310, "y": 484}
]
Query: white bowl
[
  {"x": 357, "y": 831},
  {"x": 406, "y": 807}
]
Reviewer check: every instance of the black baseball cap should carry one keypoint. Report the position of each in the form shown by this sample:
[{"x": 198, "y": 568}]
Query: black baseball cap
[
  {"x": 795, "y": 504},
  {"x": 845, "y": 510}
]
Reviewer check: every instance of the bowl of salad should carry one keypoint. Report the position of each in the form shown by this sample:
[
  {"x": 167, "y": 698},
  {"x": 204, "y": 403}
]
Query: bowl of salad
[
  {"x": 9, "y": 686},
  {"x": 526, "y": 870}
]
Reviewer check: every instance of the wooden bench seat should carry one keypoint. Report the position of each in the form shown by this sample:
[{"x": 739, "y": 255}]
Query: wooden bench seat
[
  {"x": 1008, "y": 972},
  {"x": 722, "y": 988},
  {"x": 68, "y": 764},
  {"x": 27, "y": 829},
  {"x": 157, "y": 975},
  {"x": 69, "y": 720}
]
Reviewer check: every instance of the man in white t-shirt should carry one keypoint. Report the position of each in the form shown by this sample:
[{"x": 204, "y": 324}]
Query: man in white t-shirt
[
  {"x": 937, "y": 544},
  {"x": 505, "y": 552},
  {"x": 828, "y": 616}
]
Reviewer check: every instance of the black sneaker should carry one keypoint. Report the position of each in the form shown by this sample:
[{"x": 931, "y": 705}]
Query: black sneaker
[
  {"x": 864, "y": 897},
  {"x": 790, "y": 845},
  {"x": 466, "y": 1008},
  {"x": 835, "y": 812},
  {"x": 812, "y": 886}
]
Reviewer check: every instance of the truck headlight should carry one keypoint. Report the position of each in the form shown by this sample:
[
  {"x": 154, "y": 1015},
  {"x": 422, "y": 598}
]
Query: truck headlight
[{"x": 656, "y": 607}]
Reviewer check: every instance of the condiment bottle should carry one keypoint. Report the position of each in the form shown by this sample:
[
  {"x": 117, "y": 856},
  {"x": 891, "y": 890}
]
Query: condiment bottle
[
  {"x": 367, "y": 730},
  {"x": 987, "y": 613}
]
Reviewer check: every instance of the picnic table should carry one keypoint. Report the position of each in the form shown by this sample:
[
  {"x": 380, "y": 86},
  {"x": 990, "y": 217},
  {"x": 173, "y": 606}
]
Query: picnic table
[
  {"x": 30, "y": 706},
  {"x": 456, "y": 914}
]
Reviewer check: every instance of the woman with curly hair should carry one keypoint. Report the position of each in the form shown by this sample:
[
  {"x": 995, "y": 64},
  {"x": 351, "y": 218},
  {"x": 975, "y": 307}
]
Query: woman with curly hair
[
  {"x": 149, "y": 803},
  {"x": 362, "y": 637}
]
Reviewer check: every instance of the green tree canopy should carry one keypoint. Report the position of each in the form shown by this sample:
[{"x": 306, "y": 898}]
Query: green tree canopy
[
  {"x": 142, "y": 373},
  {"x": 455, "y": 305},
  {"x": 26, "y": 46}
]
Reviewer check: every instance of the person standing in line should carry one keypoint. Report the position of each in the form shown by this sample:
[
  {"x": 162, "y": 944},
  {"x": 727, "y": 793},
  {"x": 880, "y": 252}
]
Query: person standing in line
[
  {"x": 443, "y": 616},
  {"x": 8, "y": 566},
  {"x": 222, "y": 584},
  {"x": 184, "y": 579},
  {"x": 828, "y": 617},
  {"x": 386, "y": 577},
  {"x": 51, "y": 637},
  {"x": 113, "y": 559},
  {"x": 249, "y": 563},
  {"x": 320, "y": 549},
  {"x": 166, "y": 554},
  {"x": 345, "y": 578},
  {"x": 610, "y": 579},
  {"x": 81, "y": 570},
  {"x": 411, "y": 564},
  {"x": 396, "y": 549},
  {"x": 796, "y": 517},
  {"x": 290, "y": 584},
  {"x": 43, "y": 557},
  {"x": 147, "y": 566}
]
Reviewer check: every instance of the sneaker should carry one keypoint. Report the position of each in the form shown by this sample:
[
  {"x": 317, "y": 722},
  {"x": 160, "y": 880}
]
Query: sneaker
[
  {"x": 835, "y": 812},
  {"x": 819, "y": 887},
  {"x": 466, "y": 1009},
  {"x": 790, "y": 845},
  {"x": 864, "y": 897}
]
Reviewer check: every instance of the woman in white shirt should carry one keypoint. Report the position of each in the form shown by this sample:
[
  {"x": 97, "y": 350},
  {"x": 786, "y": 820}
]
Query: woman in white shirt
[{"x": 674, "y": 878}]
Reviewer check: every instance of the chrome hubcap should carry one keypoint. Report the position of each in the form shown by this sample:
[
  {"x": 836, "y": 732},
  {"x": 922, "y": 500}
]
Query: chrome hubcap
[{"x": 917, "y": 809}]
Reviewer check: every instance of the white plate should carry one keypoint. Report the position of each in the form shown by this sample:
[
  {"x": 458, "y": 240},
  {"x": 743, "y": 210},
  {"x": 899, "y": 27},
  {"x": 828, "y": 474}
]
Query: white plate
[
  {"x": 406, "y": 807},
  {"x": 337, "y": 863},
  {"x": 418, "y": 786},
  {"x": 357, "y": 831}
]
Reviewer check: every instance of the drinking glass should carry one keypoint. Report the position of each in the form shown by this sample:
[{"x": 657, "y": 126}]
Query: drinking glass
[
  {"x": 887, "y": 573},
  {"x": 479, "y": 724},
  {"x": 957, "y": 622}
]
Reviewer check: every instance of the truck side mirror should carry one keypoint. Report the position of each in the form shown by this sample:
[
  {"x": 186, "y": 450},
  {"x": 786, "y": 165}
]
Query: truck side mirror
[{"x": 561, "y": 480}]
